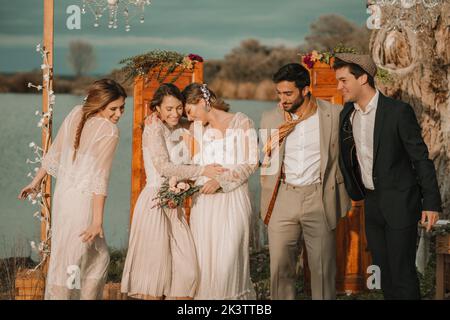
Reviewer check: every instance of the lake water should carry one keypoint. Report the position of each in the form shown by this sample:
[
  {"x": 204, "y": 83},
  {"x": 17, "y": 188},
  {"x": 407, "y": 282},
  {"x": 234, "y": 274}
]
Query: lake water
[{"x": 18, "y": 127}]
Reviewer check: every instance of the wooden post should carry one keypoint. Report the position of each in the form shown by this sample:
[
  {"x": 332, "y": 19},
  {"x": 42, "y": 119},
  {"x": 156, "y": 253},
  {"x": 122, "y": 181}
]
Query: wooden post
[
  {"x": 32, "y": 286},
  {"x": 440, "y": 289},
  {"x": 140, "y": 110},
  {"x": 47, "y": 136},
  {"x": 442, "y": 266}
]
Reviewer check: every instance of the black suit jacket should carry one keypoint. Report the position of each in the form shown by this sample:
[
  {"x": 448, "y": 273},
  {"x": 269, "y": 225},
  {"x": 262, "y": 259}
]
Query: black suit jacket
[{"x": 403, "y": 175}]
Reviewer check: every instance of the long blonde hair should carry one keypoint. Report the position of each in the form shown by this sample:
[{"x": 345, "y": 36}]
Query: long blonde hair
[{"x": 100, "y": 94}]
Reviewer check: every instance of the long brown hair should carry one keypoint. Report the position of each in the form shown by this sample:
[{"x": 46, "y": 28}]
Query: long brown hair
[
  {"x": 100, "y": 94},
  {"x": 166, "y": 89},
  {"x": 193, "y": 94}
]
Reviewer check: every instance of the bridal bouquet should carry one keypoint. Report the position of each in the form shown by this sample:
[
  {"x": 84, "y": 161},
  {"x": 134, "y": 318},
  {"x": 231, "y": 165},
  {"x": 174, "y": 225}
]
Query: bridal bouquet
[{"x": 174, "y": 193}]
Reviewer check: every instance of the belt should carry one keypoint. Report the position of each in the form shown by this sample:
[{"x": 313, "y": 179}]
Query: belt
[{"x": 301, "y": 188}]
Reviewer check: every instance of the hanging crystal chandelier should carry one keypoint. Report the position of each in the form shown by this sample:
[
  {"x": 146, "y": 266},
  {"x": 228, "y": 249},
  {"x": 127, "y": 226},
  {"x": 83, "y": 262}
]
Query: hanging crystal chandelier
[
  {"x": 416, "y": 15},
  {"x": 128, "y": 8}
]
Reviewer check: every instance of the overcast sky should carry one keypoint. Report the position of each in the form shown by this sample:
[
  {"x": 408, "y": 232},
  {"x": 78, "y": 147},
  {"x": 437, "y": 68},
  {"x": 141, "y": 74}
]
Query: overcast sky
[{"x": 210, "y": 28}]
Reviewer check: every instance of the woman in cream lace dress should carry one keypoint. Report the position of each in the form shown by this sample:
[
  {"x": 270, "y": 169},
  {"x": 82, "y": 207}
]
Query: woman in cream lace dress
[
  {"x": 220, "y": 219},
  {"x": 80, "y": 159},
  {"x": 161, "y": 262}
]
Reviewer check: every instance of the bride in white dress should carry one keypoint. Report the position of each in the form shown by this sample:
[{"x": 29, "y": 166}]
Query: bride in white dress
[{"x": 221, "y": 213}]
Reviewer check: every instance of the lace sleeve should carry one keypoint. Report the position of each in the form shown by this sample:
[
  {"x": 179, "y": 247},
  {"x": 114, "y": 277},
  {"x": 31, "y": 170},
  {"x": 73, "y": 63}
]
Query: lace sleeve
[
  {"x": 154, "y": 143},
  {"x": 104, "y": 155},
  {"x": 246, "y": 163},
  {"x": 51, "y": 160}
]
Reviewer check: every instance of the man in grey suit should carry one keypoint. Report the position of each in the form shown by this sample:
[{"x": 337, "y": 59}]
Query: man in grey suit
[{"x": 302, "y": 188}]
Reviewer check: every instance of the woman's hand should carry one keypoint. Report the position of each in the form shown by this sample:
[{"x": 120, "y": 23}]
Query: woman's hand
[
  {"x": 153, "y": 118},
  {"x": 210, "y": 187},
  {"x": 33, "y": 188},
  {"x": 30, "y": 189},
  {"x": 92, "y": 232},
  {"x": 213, "y": 170}
]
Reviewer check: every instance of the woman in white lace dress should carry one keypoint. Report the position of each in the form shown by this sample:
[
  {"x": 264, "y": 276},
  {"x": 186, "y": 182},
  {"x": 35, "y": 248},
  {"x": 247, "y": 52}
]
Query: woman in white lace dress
[
  {"x": 161, "y": 262},
  {"x": 80, "y": 158},
  {"x": 220, "y": 221}
]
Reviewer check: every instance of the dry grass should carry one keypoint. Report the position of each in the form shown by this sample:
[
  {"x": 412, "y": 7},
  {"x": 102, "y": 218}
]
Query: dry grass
[
  {"x": 259, "y": 269},
  {"x": 264, "y": 90},
  {"x": 16, "y": 260},
  {"x": 260, "y": 274}
]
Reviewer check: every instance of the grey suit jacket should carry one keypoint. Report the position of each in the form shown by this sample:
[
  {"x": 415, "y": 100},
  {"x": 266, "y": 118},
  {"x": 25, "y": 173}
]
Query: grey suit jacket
[{"x": 336, "y": 201}]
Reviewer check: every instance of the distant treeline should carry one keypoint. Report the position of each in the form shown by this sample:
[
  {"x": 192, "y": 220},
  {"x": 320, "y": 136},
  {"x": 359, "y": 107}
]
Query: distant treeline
[
  {"x": 244, "y": 73},
  {"x": 18, "y": 82}
]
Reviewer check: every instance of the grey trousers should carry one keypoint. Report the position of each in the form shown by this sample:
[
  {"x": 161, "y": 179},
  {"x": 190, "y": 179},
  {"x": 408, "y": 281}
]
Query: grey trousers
[{"x": 297, "y": 210}]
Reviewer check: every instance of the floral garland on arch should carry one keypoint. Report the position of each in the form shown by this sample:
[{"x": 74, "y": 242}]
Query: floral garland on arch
[
  {"x": 308, "y": 59},
  {"x": 43, "y": 247},
  {"x": 158, "y": 64}
]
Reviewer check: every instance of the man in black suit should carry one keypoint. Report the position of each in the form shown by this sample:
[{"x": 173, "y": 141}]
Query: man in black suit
[{"x": 384, "y": 160}]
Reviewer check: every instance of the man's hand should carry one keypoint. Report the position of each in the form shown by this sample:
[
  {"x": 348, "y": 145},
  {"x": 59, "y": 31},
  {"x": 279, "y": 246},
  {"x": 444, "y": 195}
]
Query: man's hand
[{"x": 430, "y": 217}]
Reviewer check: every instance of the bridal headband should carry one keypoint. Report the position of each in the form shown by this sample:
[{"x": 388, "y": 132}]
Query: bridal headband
[{"x": 206, "y": 95}]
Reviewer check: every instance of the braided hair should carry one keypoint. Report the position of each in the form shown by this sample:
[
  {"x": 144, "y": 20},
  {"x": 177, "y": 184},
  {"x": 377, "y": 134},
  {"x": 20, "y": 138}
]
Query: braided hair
[{"x": 100, "y": 94}]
